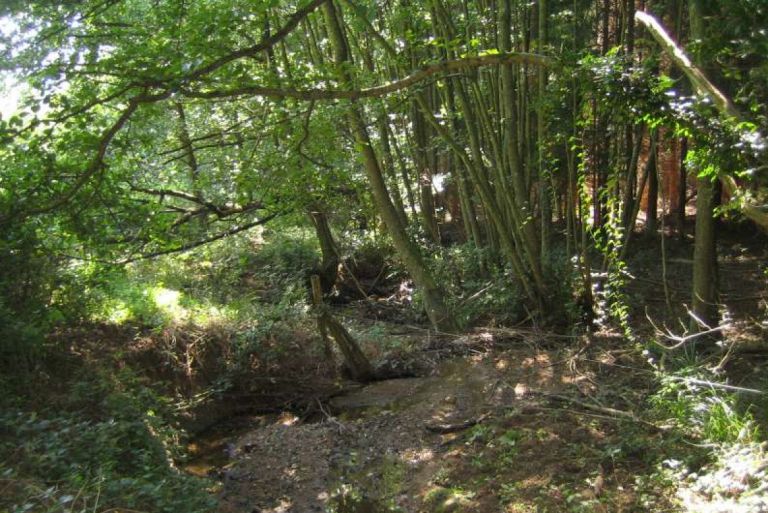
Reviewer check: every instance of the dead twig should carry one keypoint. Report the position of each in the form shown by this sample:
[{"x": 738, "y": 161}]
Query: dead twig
[
  {"x": 458, "y": 426},
  {"x": 330, "y": 418},
  {"x": 681, "y": 340},
  {"x": 611, "y": 412}
]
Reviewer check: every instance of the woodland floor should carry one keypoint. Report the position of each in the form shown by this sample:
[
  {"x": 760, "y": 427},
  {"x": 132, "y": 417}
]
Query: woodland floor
[
  {"x": 506, "y": 420},
  {"x": 497, "y": 420},
  {"x": 481, "y": 432}
]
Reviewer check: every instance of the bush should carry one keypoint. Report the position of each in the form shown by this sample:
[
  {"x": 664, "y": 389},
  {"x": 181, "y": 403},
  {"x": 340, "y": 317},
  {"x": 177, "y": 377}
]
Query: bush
[
  {"x": 477, "y": 289},
  {"x": 101, "y": 447},
  {"x": 285, "y": 259}
]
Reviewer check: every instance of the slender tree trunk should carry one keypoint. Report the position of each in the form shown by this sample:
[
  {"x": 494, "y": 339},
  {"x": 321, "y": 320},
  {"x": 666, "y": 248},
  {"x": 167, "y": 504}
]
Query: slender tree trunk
[
  {"x": 545, "y": 192},
  {"x": 704, "y": 301},
  {"x": 682, "y": 193},
  {"x": 329, "y": 267},
  {"x": 424, "y": 164},
  {"x": 432, "y": 294},
  {"x": 652, "y": 204},
  {"x": 389, "y": 166},
  {"x": 630, "y": 198},
  {"x": 403, "y": 166}
]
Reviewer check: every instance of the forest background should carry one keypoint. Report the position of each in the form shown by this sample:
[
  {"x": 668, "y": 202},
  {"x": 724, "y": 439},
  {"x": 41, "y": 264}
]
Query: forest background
[{"x": 175, "y": 171}]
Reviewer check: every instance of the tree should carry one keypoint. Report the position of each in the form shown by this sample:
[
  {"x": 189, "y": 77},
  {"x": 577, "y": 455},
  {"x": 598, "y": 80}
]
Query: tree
[{"x": 151, "y": 128}]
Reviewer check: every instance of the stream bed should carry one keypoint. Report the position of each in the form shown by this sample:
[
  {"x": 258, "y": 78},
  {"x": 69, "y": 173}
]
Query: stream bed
[{"x": 368, "y": 452}]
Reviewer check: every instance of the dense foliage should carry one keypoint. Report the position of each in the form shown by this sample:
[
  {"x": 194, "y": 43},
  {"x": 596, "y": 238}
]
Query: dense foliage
[{"x": 167, "y": 160}]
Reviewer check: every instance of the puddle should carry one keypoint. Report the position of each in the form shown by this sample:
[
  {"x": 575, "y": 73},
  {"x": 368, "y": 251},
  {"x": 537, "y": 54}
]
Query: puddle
[{"x": 213, "y": 449}]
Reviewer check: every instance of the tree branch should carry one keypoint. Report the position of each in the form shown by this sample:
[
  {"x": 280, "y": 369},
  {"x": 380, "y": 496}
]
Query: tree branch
[
  {"x": 265, "y": 44},
  {"x": 221, "y": 211},
  {"x": 191, "y": 245},
  {"x": 381, "y": 90}
]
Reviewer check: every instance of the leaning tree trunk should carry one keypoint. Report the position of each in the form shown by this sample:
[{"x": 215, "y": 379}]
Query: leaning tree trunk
[
  {"x": 329, "y": 266},
  {"x": 431, "y": 293},
  {"x": 332, "y": 331}
]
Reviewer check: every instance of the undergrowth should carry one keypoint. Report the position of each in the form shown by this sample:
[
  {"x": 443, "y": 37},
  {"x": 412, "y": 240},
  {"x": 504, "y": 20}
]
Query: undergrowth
[
  {"x": 97, "y": 425},
  {"x": 480, "y": 291},
  {"x": 725, "y": 468},
  {"x": 107, "y": 443}
]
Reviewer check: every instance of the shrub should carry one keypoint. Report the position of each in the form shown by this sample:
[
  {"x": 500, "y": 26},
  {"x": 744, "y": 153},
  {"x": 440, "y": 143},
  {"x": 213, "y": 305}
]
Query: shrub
[{"x": 107, "y": 440}]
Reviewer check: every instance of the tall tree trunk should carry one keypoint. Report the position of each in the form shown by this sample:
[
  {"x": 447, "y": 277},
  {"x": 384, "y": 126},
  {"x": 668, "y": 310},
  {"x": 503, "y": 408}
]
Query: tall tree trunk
[
  {"x": 423, "y": 157},
  {"x": 704, "y": 300},
  {"x": 652, "y": 203},
  {"x": 389, "y": 166},
  {"x": 545, "y": 199},
  {"x": 432, "y": 294},
  {"x": 683, "y": 189}
]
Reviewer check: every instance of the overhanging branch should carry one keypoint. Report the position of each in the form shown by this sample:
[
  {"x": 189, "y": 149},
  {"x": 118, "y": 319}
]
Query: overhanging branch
[
  {"x": 191, "y": 245},
  {"x": 261, "y": 46},
  {"x": 377, "y": 91},
  {"x": 724, "y": 105},
  {"x": 206, "y": 206}
]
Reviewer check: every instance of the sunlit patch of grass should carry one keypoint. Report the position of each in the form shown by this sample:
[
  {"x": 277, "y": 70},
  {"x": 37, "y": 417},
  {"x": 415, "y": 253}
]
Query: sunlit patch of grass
[
  {"x": 115, "y": 311},
  {"x": 734, "y": 476},
  {"x": 444, "y": 500},
  {"x": 735, "y": 482},
  {"x": 167, "y": 301},
  {"x": 160, "y": 306},
  {"x": 704, "y": 410}
]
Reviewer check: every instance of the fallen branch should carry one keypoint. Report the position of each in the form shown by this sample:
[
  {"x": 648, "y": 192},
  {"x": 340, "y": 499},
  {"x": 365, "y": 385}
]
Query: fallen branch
[
  {"x": 610, "y": 412},
  {"x": 330, "y": 418},
  {"x": 713, "y": 384},
  {"x": 458, "y": 426}
]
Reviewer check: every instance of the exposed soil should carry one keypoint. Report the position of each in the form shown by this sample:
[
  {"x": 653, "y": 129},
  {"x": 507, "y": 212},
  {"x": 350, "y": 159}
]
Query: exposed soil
[{"x": 480, "y": 433}]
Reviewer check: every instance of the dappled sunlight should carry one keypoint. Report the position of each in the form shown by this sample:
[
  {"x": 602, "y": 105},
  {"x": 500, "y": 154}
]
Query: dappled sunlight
[
  {"x": 541, "y": 367},
  {"x": 284, "y": 506},
  {"x": 383, "y": 257},
  {"x": 158, "y": 305},
  {"x": 167, "y": 301},
  {"x": 415, "y": 456},
  {"x": 521, "y": 390},
  {"x": 287, "y": 419},
  {"x": 731, "y": 485},
  {"x": 116, "y": 311}
]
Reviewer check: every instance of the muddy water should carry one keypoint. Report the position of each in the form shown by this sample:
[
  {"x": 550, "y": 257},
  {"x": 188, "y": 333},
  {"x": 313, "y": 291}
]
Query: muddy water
[{"x": 212, "y": 450}]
